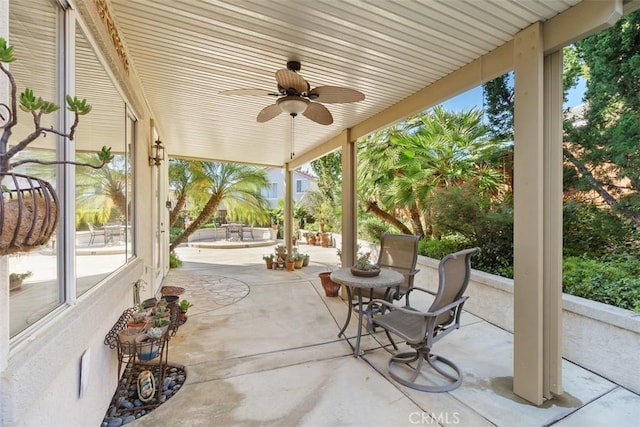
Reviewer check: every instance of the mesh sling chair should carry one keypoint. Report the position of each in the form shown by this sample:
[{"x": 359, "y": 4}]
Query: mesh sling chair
[
  {"x": 398, "y": 252},
  {"x": 422, "y": 329}
]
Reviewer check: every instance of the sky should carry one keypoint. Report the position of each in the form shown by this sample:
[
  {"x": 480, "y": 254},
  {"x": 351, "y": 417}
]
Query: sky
[{"x": 473, "y": 98}]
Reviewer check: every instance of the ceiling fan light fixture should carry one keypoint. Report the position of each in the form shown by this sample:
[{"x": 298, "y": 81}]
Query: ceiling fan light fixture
[{"x": 293, "y": 105}]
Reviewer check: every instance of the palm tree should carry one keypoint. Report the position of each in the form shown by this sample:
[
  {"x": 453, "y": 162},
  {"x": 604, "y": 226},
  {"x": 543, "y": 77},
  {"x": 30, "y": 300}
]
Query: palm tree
[
  {"x": 100, "y": 191},
  {"x": 422, "y": 154},
  {"x": 237, "y": 186},
  {"x": 185, "y": 179}
]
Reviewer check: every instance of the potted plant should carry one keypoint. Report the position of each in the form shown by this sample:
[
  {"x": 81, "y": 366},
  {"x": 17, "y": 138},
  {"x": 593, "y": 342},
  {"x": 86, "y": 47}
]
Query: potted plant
[
  {"x": 139, "y": 319},
  {"x": 184, "y": 307},
  {"x": 281, "y": 256},
  {"x": 290, "y": 262},
  {"x": 305, "y": 261},
  {"x": 29, "y": 205},
  {"x": 325, "y": 239},
  {"x": 364, "y": 268},
  {"x": 16, "y": 279},
  {"x": 330, "y": 287},
  {"x": 299, "y": 260},
  {"x": 148, "y": 343},
  {"x": 281, "y": 252},
  {"x": 269, "y": 260}
]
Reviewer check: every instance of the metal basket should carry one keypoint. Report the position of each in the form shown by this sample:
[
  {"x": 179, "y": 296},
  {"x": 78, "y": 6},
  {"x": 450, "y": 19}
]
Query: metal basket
[{"x": 28, "y": 212}]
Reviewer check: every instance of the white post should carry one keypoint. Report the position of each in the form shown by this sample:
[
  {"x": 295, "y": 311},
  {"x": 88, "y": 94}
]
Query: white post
[{"x": 528, "y": 215}]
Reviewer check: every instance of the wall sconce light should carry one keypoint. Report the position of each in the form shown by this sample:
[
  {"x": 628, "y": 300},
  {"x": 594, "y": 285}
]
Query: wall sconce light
[{"x": 158, "y": 151}]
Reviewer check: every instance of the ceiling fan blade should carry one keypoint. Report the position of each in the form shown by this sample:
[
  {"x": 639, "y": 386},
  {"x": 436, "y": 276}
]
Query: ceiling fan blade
[
  {"x": 268, "y": 113},
  {"x": 318, "y": 113},
  {"x": 252, "y": 92},
  {"x": 291, "y": 80},
  {"x": 335, "y": 94}
]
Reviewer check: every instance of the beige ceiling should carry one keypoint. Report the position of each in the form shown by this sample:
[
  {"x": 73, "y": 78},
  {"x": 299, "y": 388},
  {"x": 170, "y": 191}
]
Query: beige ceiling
[{"x": 186, "y": 52}]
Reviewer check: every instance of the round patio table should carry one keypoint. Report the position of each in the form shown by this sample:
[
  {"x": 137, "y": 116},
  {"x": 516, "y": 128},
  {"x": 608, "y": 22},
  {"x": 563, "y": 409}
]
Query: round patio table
[{"x": 386, "y": 279}]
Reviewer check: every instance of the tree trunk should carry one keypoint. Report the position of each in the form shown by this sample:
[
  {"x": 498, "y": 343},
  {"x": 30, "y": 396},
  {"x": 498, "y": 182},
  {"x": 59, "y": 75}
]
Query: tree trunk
[
  {"x": 416, "y": 220},
  {"x": 175, "y": 213},
  {"x": 599, "y": 188},
  {"x": 207, "y": 212},
  {"x": 372, "y": 207},
  {"x": 120, "y": 202}
]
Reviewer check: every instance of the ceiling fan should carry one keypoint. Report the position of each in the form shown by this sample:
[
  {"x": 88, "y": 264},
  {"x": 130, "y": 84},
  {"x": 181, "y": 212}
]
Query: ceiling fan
[{"x": 295, "y": 96}]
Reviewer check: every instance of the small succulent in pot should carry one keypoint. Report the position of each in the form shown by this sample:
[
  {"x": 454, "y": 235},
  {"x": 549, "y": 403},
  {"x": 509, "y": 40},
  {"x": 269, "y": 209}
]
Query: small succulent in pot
[
  {"x": 185, "y": 305},
  {"x": 364, "y": 262}
]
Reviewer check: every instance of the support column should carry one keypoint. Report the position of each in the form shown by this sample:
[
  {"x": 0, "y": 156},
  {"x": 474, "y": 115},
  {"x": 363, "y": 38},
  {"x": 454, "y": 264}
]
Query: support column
[
  {"x": 288, "y": 209},
  {"x": 552, "y": 215},
  {"x": 4, "y": 260},
  {"x": 349, "y": 200},
  {"x": 528, "y": 215}
]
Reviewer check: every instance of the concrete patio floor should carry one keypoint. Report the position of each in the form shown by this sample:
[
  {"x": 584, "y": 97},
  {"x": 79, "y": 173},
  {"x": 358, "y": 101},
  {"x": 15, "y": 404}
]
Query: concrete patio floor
[{"x": 261, "y": 348}]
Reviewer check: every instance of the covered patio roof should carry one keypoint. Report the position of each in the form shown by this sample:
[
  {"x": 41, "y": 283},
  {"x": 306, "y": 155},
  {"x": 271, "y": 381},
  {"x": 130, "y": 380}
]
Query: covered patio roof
[{"x": 404, "y": 56}]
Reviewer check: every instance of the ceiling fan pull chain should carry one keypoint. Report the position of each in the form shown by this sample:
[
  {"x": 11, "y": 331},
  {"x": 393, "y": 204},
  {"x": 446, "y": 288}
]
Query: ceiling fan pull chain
[{"x": 293, "y": 116}]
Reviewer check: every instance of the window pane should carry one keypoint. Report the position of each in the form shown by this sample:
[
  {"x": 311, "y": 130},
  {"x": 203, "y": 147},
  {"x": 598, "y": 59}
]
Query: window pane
[
  {"x": 301, "y": 185},
  {"x": 33, "y": 33},
  {"x": 101, "y": 194},
  {"x": 271, "y": 192}
]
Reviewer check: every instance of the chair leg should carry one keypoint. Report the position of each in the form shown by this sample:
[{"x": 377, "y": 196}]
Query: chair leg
[{"x": 402, "y": 370}]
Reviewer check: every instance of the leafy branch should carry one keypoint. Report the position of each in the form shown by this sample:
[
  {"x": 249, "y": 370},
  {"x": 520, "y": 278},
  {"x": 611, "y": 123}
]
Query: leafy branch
[{"x": 37, "y": 107}]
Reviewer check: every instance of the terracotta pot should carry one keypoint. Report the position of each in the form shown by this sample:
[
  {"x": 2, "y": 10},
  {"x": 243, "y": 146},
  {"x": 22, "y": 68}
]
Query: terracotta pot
[
  {"x": 269, "y": 265},
  {"x": 291, "y": 265},
  {"x": 324, "y": 240},
  {"x": 331, "y": 288}
]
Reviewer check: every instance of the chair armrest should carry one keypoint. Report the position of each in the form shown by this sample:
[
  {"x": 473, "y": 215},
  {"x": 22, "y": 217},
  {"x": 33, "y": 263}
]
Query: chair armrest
[
  {"x": 391, "y": 307},
  {"x": 447, "y": 307},
  {"x": 379, "y": 302},
  {"x": 415, "y": 288}
]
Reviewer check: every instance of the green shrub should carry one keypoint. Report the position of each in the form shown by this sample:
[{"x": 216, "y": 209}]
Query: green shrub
[
  {"x": 174, "y": 261},
  {"x": 614, "y": 281},
  {"x": 438, "y": 248},
  {"x": 595, "y": 231},
  {"x": 174, "y": 232},
  {"x": 371, "y": 229},
  {"x": 483, "y": 221}
]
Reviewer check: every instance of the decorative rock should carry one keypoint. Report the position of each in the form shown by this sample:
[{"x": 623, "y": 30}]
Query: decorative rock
[
  {"x": 126, "y": 406},
  {"x": 128, "y": 419},
  {"x": 114, "y": 422}
]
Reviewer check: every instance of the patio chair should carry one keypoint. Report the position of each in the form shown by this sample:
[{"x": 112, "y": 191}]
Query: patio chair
[
  {"x": 93, "y": 231},
  {"x": 398, "y": 252},
  {"x": 248, "y": 230},
  {"x": 235, "y": 229},
  {"x": 422, "y": 329}
]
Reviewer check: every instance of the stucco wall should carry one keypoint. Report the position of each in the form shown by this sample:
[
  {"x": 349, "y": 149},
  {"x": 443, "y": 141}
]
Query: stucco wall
[
  {"x": 599, "y": 337},
  {"x": 43, "y": 385}
]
